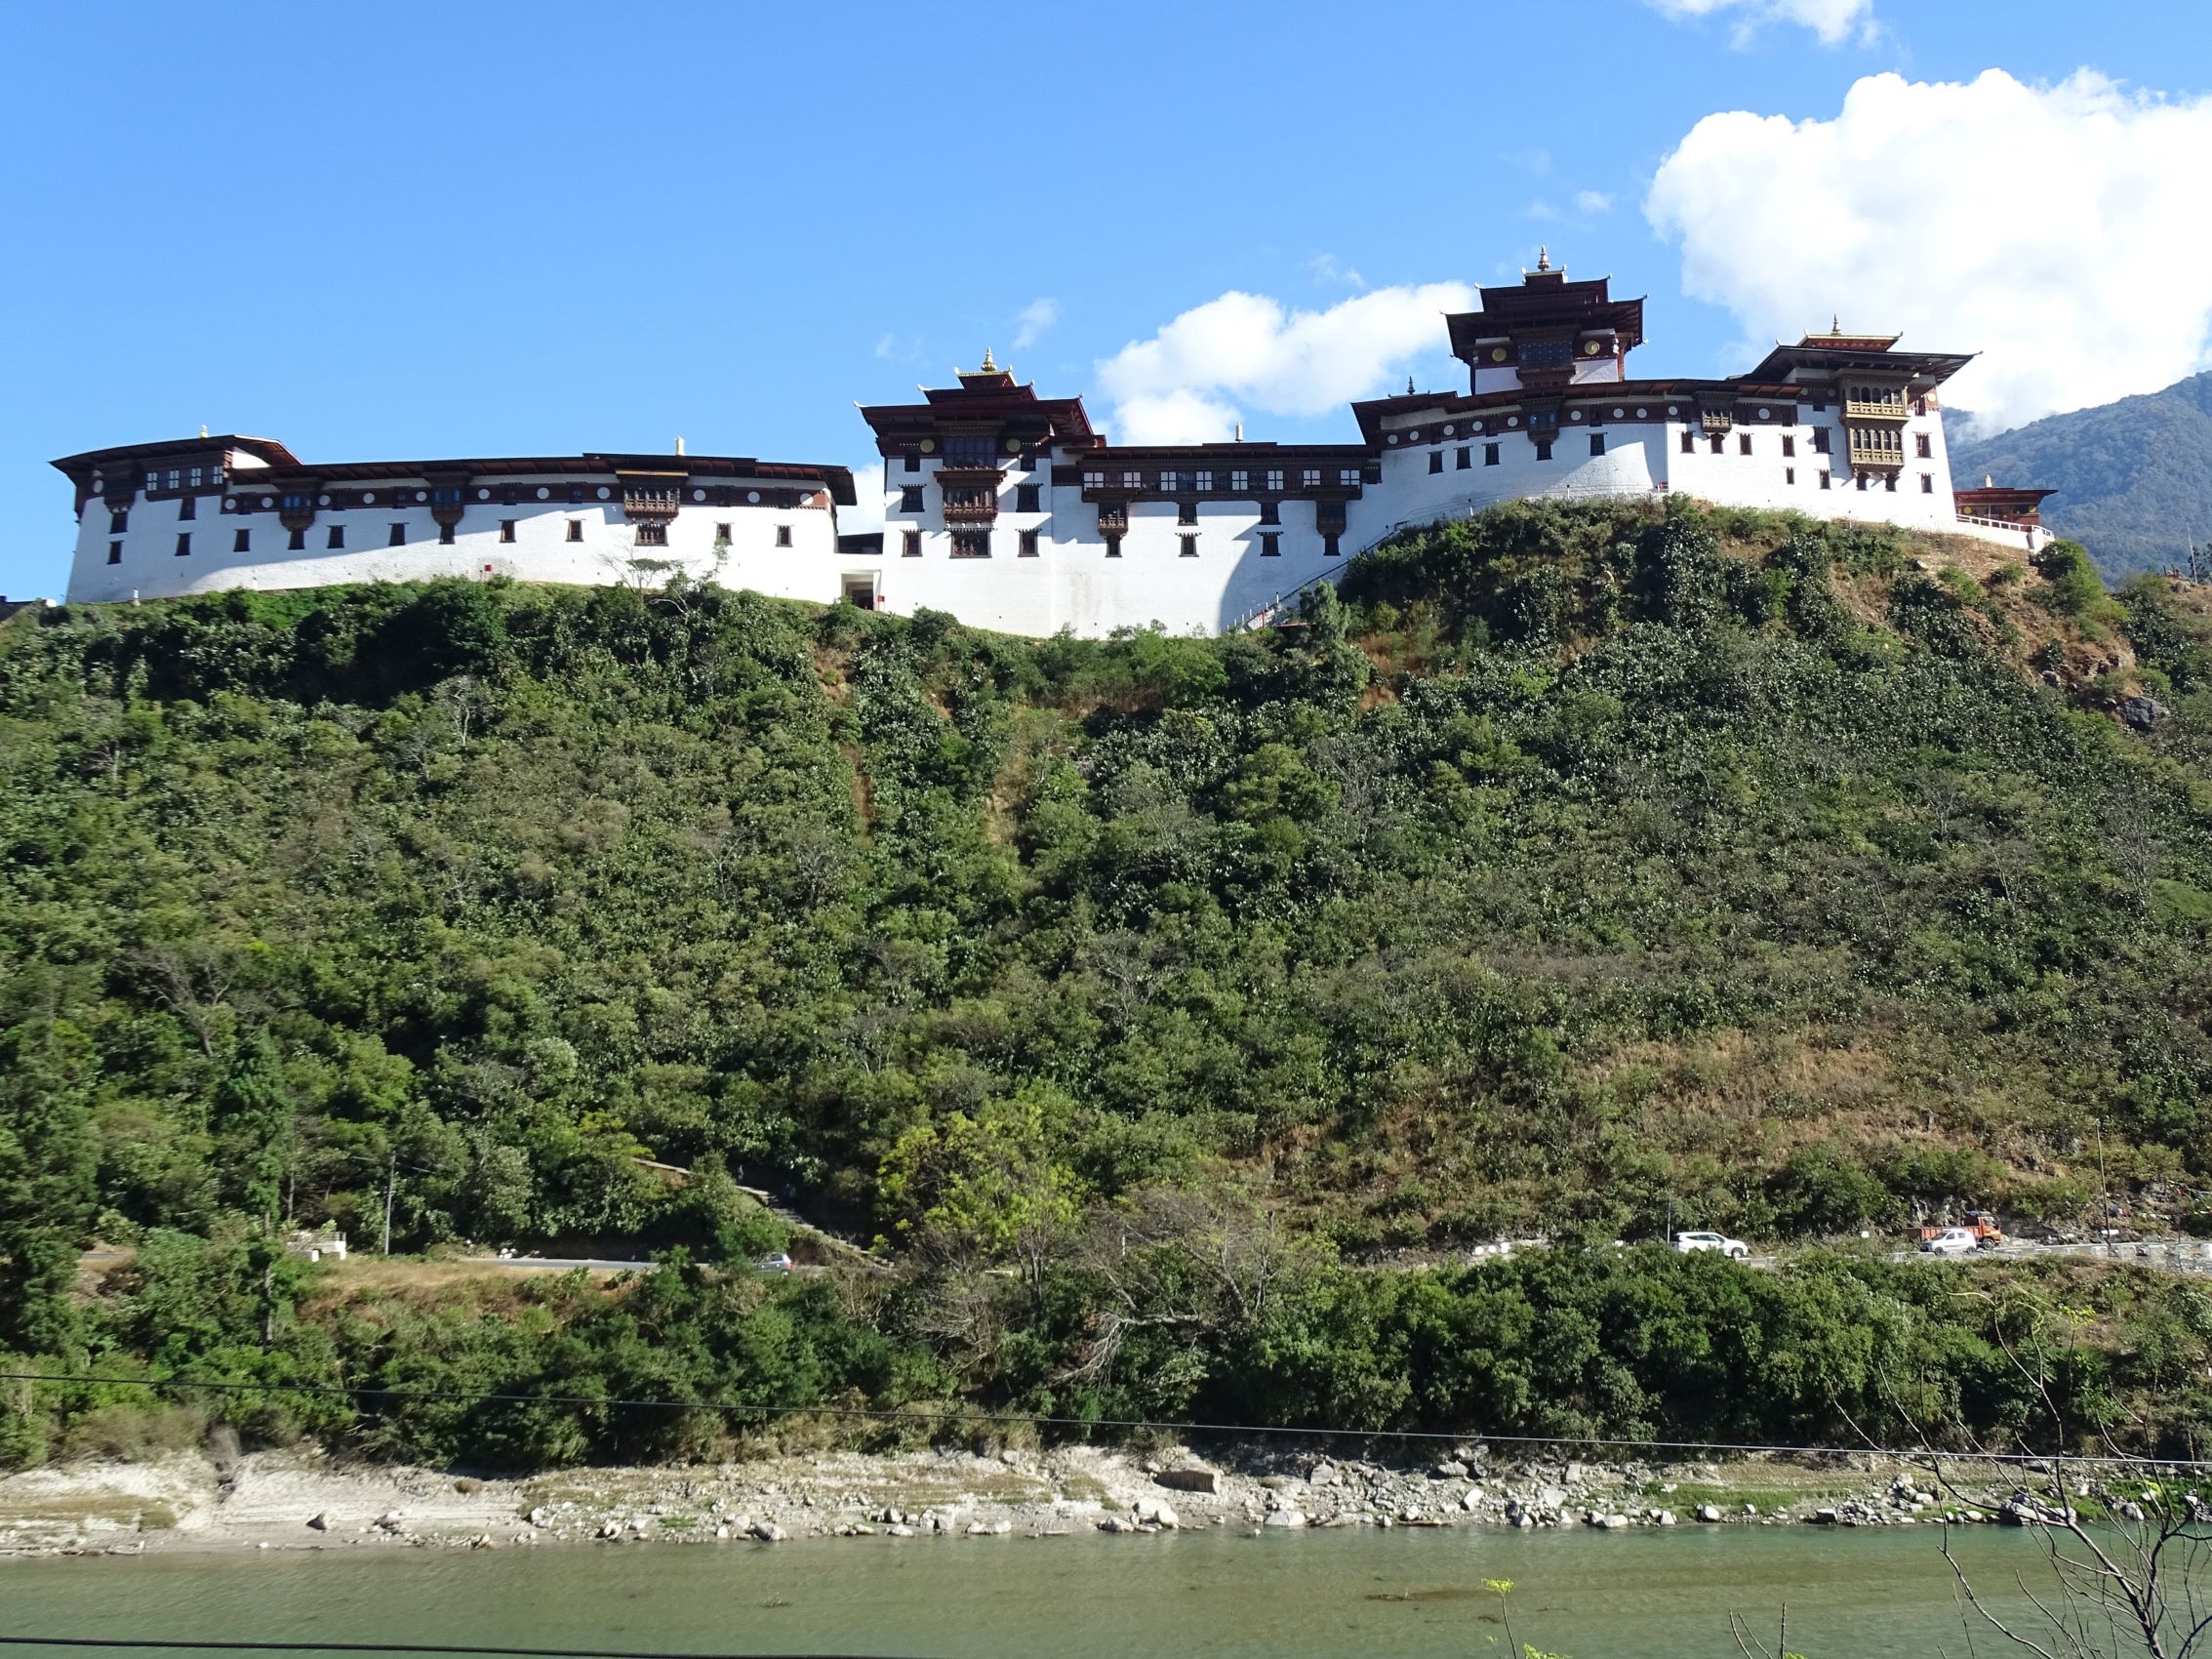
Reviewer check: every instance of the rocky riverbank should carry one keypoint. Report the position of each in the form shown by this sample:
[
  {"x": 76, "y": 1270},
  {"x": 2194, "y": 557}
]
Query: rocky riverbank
[{"x": 300, "y": 1499}]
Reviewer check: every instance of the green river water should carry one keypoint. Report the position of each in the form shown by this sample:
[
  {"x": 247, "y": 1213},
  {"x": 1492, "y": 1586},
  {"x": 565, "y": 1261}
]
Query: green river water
[{"x": 1648, "y": 1594}]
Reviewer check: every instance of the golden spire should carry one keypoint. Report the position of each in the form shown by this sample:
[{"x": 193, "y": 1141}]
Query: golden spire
[
  {"x": 989, "y": 368},
  {"x": 203, "y": 428},
  {"x": 1543, "y": 256}
]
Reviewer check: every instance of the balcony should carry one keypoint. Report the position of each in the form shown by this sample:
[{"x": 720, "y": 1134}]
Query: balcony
[
  {"x": 1876, "y": 457},
  {"x": 971, "y": 506},
  {"x": 1876, "y": 409},
  {"x": 1113, "y": 518}
]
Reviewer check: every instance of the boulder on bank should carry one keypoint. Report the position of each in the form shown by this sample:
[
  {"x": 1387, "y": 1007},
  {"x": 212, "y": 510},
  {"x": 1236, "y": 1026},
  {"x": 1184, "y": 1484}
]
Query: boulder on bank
[{"x": 1188, "y": 1480}]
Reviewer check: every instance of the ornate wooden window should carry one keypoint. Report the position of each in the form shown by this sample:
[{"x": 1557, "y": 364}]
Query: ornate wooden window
[
  {"x": 1029, "y": 547},
  {"x": 1489, "y": 455},
  {"x": 1348, "y": 477},
  {"x": 910, "y": 544},
  {"x": 184, "y": 544},
  {"x": 1463, "y": 458},
  {"x": 242, "y": 542},
  {"x": 1309, "y": 478},
  {"x": 506, "y": 532},
  {"x": 971, "y": 543},
  {"x": 575, "y": 532},
  {"x": 1270, "y": 543},
  {"x": 1026, "y": 498},
  {"x": 1274, "y": 480},
  {"x": 1094, "y": 480},
  {"x": 910, "y": 499},
  {"x": 1202, "y": 480},
  {"x": 1239, "y": 481},
  {"x": 1190, "y": 546},
  {"x": 1186, "y": 512},
  {"x": 1270, "y": 512},
  {"x": 655, "y": 535}
]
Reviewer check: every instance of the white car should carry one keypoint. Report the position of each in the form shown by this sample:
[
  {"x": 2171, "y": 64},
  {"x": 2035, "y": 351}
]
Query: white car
[
  {"x": 1735, "y": 1249},
  {"x": 1952, "y": 1242}
]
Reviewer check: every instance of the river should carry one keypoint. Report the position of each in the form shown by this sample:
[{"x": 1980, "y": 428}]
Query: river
[{"x": 1407, "y": 1593}]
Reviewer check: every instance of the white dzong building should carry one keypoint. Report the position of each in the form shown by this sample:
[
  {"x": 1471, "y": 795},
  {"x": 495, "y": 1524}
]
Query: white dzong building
[{"x": 1010, "y": 512}]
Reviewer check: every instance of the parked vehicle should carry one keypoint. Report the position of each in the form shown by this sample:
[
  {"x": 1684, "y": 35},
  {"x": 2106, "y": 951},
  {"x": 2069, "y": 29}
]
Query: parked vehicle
[
  {"x": 779, "y": 1263},
  {"x": 1690, "y": 1243},
  {"x": 1951, "y": 1241}
]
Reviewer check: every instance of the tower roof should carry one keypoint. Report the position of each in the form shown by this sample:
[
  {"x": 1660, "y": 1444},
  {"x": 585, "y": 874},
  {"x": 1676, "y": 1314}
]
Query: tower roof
[{"x": 1545, "y": 303}]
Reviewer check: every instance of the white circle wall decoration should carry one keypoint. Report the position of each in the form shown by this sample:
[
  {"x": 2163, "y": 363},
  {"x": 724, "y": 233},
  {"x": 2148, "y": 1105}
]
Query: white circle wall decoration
[
  {"x": 368, "y": 498},
  {"x": 754, "y": 496},
  {"x": 1414, "y": 436},
  {"x": 268, "y": 501},
  {"x": 1393, "y": 438},
  {"x": 544, "y": 494},
  {"x": 1448, "y": 430},
  {"x": 1641, "y": 412},
  {"x": 1497, "y": 354},
  {"x": 1617, "y": 414},
  {"x": 1589, "y": 348},
  {"x": 1513, "y": 420},
  {"x": 486, "y": 495},
  {"x": 929, "y": 446},
  {"x": 1670, "y": 409},
  {"x": 421, "y": 495},
  {"x": 322, "y": 500},
  {"x": 1577, "y": 415},
  {"x": 229, "y": 503},
  {"x": 604, "y": 492},
  {"x": 1765, "y": 413}
]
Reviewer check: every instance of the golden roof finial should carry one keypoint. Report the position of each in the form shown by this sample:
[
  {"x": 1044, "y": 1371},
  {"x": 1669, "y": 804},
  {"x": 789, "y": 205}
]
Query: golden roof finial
[
  {"x": 679, "y": 443},
  {"x": 989, "y": 368},
  {"x": 1543, "y": 256},
  {"x": 203, "y": 428},
  {"x": 1835, "y": 322}
]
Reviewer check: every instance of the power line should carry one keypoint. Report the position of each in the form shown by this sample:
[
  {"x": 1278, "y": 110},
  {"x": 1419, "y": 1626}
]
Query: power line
[
  {"x": 374, "y": 1647},
  {"x": 916, "y": 1414}
]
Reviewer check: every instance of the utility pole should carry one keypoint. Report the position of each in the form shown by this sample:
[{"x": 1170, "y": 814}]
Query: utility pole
[{"x": 391, "y": 1180}]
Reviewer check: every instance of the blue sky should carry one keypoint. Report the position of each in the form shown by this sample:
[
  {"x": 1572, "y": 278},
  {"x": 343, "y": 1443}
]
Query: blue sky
[{"x": 453, "y": 230}]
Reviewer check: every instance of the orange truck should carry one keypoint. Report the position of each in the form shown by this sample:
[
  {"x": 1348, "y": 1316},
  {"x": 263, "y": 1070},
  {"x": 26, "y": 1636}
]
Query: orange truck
[{"x": 1980, "y": 1223}]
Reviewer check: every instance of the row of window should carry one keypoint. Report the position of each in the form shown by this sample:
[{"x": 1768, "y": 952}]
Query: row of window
[
  {"x": 203, "y": 478},
  {"x": 242, "y": 541},
  {"x": 977, "y": 545},
  {"x": 970, "y": 452},
  {"x": 1169, "y": 481}
]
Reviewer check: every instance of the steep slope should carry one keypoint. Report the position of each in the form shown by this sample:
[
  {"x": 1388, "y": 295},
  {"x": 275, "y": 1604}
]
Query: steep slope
[
  {"x": 2134, "y": 477},
  {"x": 1578, "y": 868}
]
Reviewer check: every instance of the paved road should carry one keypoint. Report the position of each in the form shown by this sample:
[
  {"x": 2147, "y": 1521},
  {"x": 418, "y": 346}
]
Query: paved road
[{"x": 591, "y": 1264}]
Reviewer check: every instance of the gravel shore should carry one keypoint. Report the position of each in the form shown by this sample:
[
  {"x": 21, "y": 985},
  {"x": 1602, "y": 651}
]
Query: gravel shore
[{"x": 300, "y": 1499}]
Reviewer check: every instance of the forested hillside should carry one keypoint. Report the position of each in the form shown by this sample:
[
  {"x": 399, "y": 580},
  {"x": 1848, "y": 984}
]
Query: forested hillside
[
  {"x": 2134, "y": 478},
  {"x": 1579, "y": 868}
]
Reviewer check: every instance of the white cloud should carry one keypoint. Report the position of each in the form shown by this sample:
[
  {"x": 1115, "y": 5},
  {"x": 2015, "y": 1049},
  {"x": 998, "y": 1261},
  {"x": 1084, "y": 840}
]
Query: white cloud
[
  {"x": 1592, "y": 202},
  {"x": 1328, "y": 273},
  {"x": 1539, "y": 209},
  {"x": 1186, "y": 383},
  {"x": 868, "y": 493},
  {"x": 2059, "y": 230},
  {"x": 1833, "y": 21},
  {"x": 1037, "y": 316}
]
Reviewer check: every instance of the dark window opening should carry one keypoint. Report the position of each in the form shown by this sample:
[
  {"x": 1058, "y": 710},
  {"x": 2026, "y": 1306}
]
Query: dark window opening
[
  {"x": 1187, "y": 512},
  {"x": 1820, "y": 440},
  {"x": 914, "y": 463},
  {"x": 1789, "y": 474},
  {"x": 1927, "y": 484},
  {"x": 507, "y": 531},
  {"x": 1329, "y": 547},
  {"x": 298, "y": 542},
  {"x": 782, "y": 535},
  {"x": 1271, "y": 544},
  {"x": 337, "y": 537},
  {"x": 648, "y": 535},
  {"x": 575, "y": 530},
  {"x": 910, "y": 544},
  {"x": 1463, "y": 458},
  {"x": 1270, "y": 512},
  {"x": 1743, "y": 443},
  {"x": 1889, "y": 482},
  {"x": 1719, "y": 445},
  {"x": 1920, "y": 447},
  {"x": 971, "y": 543},
  {"x": 1489, "y": 455},
  {"x": 1823, "y": 479},
  {"x": 1026, "y": 498},
  {"x": 1543, "y": 449},
  {"x": 1789, "y": 445},
  {"x": 119, "y": 522},
  {"x": 1028, "y": 547},
  {"x": 911, "y": 497},
  {"x": 1114, "y": 546},
  {"x": 1598, "y": 443},
  {"x": 445, "y": 535},
  {"x": 1862, "y": 481},
  {"x": 184, "y": 544},
  {"x": 1689, "y": 442},
  {"x": 1190, "y": 546},
  {"x": 398, "y": 536},
  {"x": 242, "y": 541},
  {"x": 116, "y": 553},
  {"x": 1436, "y": 461},
  {"x": 188, "y": 508}
]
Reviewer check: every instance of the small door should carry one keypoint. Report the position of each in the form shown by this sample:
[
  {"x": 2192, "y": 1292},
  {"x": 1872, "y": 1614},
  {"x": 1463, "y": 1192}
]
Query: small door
[{"x": 858, "y": 588}]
